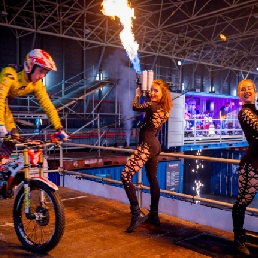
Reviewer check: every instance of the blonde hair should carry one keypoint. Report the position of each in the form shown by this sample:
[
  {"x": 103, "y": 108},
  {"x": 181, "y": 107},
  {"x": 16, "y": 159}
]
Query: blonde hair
[
  {"x": 240, "y": 85},
  {"x": 166, "y": 101}
]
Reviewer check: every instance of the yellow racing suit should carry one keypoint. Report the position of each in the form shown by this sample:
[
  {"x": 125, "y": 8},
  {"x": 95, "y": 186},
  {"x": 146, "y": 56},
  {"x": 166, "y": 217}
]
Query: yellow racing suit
[{"x": 13, "y": 84}]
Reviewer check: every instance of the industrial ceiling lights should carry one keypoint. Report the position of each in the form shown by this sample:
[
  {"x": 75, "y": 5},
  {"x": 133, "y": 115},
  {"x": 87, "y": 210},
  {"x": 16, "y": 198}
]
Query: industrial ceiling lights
[{"x": 223, "y": 37}]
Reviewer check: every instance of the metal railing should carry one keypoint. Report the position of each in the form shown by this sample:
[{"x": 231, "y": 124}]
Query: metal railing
[
  {"x": 140, "y": 187},
  {"x": 205, "y": 131}
]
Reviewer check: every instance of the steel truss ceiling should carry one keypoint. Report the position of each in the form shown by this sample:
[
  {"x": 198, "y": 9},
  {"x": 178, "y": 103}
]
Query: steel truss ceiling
[{"x": 187, "y": 30}]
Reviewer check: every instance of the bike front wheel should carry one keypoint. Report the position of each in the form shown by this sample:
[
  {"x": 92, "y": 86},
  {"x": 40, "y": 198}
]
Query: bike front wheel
[{"x": 43, "y": 230}]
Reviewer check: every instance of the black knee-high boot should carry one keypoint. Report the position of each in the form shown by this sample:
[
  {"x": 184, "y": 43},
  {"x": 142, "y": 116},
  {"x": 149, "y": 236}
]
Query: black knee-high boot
[
  {"x": 138, "y": 217},
  {"x": 238, "y": 216},
  {"x": 153, "y": 216}
]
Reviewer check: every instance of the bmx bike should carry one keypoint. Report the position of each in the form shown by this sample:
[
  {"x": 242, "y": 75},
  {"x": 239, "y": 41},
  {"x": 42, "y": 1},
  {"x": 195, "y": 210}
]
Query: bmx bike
[{"x": 38, "y": 213}]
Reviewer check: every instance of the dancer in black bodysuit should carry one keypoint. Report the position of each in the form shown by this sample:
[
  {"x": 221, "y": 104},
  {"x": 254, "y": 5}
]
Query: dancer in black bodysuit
[
  {"x": 248, "y": 166},
  {"x": 156, "y": 113}
]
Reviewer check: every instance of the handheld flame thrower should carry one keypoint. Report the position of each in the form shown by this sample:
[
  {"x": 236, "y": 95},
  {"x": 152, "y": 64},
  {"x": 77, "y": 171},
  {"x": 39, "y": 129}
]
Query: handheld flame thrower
[{"x": 144, "y": 81}]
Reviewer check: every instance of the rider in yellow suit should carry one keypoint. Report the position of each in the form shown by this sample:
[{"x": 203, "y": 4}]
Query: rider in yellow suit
[{"x": 29, "y": 80}]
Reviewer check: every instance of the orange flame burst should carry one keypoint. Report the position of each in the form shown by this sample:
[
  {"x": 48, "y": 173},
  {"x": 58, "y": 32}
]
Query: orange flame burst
[{"x": 121, "y": 9}]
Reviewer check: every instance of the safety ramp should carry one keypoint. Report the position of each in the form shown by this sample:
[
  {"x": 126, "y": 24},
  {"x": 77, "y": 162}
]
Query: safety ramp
[{"x": 77, "y": 94}]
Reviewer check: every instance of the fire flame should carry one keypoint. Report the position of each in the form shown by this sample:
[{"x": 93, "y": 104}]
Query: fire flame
[{"x": 121, "y": 9}]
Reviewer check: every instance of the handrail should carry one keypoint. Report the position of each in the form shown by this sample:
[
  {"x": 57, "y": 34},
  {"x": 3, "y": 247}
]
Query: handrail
[
  {"x": 190, "y": 198},
  {"x": 176, "y": 155},
  {"x": 139, "y": 185}
]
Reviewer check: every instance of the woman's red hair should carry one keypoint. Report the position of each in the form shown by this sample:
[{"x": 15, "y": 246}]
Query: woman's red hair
[{"x": 166, "y": 101}]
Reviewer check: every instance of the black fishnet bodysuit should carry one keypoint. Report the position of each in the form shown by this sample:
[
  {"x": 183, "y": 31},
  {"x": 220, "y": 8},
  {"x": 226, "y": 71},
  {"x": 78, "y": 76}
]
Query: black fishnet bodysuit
[
  {"x": 248, "y": 166},
  {"x": 147, "y": 151}
]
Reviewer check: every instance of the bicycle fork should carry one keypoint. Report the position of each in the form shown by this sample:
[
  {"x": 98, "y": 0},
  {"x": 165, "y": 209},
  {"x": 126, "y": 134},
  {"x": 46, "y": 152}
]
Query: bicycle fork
[{"x": 27, "y": 181}]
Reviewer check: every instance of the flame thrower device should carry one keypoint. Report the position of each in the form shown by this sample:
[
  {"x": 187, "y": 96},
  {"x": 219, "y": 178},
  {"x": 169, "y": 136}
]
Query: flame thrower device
[{"x": 144, "y": 81}]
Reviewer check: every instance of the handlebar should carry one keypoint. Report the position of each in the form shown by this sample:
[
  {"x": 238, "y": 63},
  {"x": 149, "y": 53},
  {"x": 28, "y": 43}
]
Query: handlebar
[
  {"x": 31, "y": 143},
  {"x": 8, "y": 144},
  {"x": 27, "y": 140}
]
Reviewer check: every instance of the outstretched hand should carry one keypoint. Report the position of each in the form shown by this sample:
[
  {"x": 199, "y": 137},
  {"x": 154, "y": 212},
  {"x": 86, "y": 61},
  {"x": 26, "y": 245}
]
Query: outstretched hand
[
  {"x": 59, "y": 135},
  {"x": 138, "y": 91},
  {"x": 3, "y": 131},
  {"x": 8, "y": 136}
]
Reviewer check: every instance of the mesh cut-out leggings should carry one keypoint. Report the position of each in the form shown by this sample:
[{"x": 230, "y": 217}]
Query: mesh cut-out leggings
[
  {"x": 141, "y": 156},
  {"x": 247, "y": 184}
]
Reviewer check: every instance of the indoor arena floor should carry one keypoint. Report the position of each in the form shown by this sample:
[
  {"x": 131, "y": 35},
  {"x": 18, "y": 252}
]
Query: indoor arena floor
[{"x": 95, "y": 228}]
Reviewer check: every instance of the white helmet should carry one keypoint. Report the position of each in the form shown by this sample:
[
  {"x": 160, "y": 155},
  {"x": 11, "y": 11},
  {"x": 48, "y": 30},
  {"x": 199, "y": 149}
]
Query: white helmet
[{"x": 38, "y": 57}]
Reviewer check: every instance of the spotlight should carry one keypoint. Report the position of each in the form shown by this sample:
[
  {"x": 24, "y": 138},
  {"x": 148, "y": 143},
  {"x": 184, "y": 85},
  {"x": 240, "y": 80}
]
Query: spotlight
[{"x": 223, "y": 37}]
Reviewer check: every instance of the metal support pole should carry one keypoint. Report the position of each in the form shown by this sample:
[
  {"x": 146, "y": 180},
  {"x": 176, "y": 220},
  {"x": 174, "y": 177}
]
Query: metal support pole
[
  {"x": 220, "y": 175},
  {"x": 66, "y": 125},
  {"x": 28, "y": 100},
  {"x": 231, "y": 177},
  {"x": 98, "y": 133},
  {"x": 227, "y": 175},
  {"x": 61, "y": 165},
  {"x": 45, "y": 135}
]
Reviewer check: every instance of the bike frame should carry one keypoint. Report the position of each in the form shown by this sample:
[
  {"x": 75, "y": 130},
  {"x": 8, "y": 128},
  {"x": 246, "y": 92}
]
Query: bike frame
[
  {"x": 27, "y": 153},
  {"x": 29, "y": 158},
  {"x": 38, "y": 211}
]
